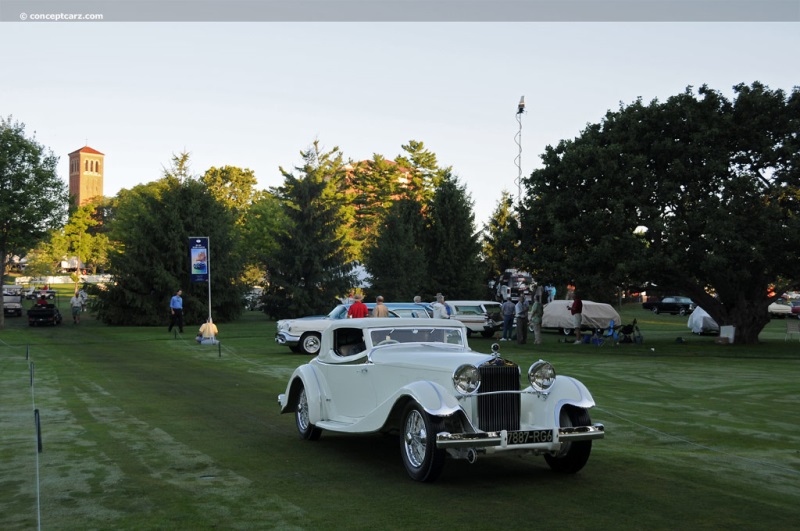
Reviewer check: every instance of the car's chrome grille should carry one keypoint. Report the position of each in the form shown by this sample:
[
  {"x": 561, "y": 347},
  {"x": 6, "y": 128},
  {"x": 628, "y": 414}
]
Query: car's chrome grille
[{"x": 499, "y": 411}]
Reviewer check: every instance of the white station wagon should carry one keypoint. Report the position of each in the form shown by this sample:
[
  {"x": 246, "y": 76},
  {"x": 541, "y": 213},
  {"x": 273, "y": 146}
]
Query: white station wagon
[{"x": 420, "y": 379}]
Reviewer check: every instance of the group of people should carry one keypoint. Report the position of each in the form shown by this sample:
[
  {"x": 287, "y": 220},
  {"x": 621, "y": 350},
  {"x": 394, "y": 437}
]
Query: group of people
[
  {"x": 526, "y": 311},
  {"x": 358, "y": 309}
]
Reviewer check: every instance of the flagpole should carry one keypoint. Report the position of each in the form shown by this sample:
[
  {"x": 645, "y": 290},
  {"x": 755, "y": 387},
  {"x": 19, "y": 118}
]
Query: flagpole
[{"x": 208, "y": 263}]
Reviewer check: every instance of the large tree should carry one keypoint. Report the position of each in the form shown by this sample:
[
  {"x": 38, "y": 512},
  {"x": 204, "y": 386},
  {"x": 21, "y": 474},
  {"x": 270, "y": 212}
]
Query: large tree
[
  {"x": 33, "y": 200},
  {"x": 151, "y": 226},
  {"x": 697, "y": 193},
  {"x": 452, "y": 245},
  {"x": 312, "y": 265}
]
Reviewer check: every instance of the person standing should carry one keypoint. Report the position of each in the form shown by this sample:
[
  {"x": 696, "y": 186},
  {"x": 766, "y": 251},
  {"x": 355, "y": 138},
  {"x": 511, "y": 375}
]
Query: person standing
[
  {"x": 380, "y": 308},
  {"x": 521, "y": 312},
  {"x": 176, "y": 312},
  {"x": 358, "y": 309},
  {"x": 76, "y": 305},
  {"x": 508, "y": 310},
  {"x": 440, "y": 310},
  {"x": 576, "y": 309},
  {"x": 536, "y": 314}
]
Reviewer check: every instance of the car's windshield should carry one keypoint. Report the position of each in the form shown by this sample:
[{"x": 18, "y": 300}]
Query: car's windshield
[
  {"x": 340, "y": 312},
  {"x": 387, "y": 336}
]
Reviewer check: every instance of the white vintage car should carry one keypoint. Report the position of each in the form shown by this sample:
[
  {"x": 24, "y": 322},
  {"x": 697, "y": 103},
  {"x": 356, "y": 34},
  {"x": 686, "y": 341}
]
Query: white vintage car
[
  {"x": 303, "y": 334},
  {"x": 420, "y": 379}
]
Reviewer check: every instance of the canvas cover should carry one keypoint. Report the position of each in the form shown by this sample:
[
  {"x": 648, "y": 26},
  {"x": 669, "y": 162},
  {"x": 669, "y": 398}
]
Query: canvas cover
[
  {"x": 700, "y": 322},
  {"x": 595, "y": 315}
]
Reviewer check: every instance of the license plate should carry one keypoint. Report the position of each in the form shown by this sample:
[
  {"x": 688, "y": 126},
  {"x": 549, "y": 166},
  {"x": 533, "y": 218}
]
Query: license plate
[{"x": 530, "y": 437}]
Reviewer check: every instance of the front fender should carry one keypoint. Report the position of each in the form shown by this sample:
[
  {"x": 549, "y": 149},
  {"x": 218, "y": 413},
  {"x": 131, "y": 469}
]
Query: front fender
[
  {"x": 539, "y": 409},
  {"x": 304, "y": 376},
  {"x": 433, "y": 398}
]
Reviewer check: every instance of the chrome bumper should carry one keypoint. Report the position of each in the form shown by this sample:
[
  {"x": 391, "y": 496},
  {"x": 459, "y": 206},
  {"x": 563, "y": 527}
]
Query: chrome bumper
[
  {"x": 501, "y": 438},
  {"x": 284, "y": 339}
]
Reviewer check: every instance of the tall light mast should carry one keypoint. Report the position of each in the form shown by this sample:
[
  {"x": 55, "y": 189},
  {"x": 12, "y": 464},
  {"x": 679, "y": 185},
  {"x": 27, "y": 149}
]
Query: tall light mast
[{"x": 518, "y": 140}]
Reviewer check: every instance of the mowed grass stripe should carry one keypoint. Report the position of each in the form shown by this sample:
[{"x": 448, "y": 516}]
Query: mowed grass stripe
[{"x": 143, "y": 431}]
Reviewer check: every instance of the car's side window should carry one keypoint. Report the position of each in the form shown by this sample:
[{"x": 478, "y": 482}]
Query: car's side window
[{"x": 349, "y": 341}]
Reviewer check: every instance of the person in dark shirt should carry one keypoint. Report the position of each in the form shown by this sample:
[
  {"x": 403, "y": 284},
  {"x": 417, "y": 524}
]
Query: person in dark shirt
[{"x": 576, "y": 309}]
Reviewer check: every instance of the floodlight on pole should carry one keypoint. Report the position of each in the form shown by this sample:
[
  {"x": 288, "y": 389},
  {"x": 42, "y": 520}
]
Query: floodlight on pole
[{"x": 518, "y": 140}]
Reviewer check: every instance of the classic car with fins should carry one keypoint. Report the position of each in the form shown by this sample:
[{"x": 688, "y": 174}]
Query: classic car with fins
[{"x": 419, "y": 379}]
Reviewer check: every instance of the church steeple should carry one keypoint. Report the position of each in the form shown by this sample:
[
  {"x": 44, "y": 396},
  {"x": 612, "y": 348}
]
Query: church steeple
[{"x": 86, "y": 167}]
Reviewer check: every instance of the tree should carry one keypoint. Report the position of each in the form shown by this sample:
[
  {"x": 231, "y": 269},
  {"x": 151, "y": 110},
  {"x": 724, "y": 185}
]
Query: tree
[
  {"x": 312, "y": 266},
  {"x": 33, "y": 200},
  {"x": 425, "y": 175},
  {"x": 263, "y": 222},
  {"x": 500, "y": 241},
  {"x": 369, "y": 188},
  {"x": 396, "y": 260},
  {"x": 697, "y": 193},
  {"x": 151, "y": 227},
  {"x": 452, "y": 247},
  {"x": 233, "y": 187}
]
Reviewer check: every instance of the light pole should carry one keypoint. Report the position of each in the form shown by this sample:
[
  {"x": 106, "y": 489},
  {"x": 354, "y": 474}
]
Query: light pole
[{"x": 518, "y": 140}]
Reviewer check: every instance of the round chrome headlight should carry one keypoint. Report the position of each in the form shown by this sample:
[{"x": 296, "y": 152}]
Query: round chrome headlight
[
  {"x": 467, "y": 379},
  {"x": 541, "y": 375}
]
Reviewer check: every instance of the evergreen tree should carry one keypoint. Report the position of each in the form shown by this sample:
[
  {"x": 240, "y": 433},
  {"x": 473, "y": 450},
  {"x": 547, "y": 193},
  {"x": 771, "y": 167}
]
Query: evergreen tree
[
  {"x": 152, "y": 224},
  {"x": 451, "y": 243},
  {"x": 396, "y": 261},
  {"x": 312, "y": 266},
  {"x": 370, "y": 187},
  {"x": 501, "y": 239},
  {"x": 423, "y": 174}
]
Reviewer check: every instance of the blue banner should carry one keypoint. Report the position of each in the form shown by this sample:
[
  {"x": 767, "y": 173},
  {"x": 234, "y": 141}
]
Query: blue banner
[{"x": 199, "y": 258}]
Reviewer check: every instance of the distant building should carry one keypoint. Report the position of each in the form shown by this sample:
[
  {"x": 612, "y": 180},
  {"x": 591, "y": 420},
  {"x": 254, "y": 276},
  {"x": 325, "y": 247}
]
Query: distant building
[{"x": 86, "y": 175}]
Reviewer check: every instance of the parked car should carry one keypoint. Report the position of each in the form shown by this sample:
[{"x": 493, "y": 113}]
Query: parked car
[
  {"x": 672, "y": 305},
  {"x": 303, "y": 334},
  {"x": 702, "y": 323},
  {"x": 12, "y": 301},
  {"x": 481, "y": 317},
  {"x": 511, "y": 284},
  {"x": 34, "y": 293},
  {"x": 420, "y": 379},
  {"x": 46, "y": 314},
  {"x": 595, "y": 316},
  {"x": 780, "y": 308},
  {"x": 795, "y": 308}
]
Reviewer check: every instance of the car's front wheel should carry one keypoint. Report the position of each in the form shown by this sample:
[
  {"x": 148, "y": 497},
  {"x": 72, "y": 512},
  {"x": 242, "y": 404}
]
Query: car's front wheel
[
  {"x": 574, "y": 454},
  {"x": 423, "y": 461},
  {"x": 310, "y": 343},
  {"x": 304, "y": 427},
  {"x": 655, "y": 310},
  {"x": 683, "y": 311}
]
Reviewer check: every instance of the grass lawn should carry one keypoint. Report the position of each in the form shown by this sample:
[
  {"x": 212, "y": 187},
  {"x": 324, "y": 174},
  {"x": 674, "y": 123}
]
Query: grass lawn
[{"x": 143, "y": 430}]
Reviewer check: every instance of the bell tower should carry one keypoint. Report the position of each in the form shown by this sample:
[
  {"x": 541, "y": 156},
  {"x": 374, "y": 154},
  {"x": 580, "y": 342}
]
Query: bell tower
[{"x": 86, "y": 175}]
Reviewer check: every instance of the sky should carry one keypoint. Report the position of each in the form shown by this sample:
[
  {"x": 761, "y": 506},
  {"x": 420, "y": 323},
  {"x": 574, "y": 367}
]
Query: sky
[{"x": 254, "y": 95}]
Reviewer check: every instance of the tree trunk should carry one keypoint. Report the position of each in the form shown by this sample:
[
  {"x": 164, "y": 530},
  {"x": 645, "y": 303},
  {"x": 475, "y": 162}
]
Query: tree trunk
[{"x": 749, "y": 323}]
